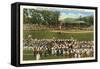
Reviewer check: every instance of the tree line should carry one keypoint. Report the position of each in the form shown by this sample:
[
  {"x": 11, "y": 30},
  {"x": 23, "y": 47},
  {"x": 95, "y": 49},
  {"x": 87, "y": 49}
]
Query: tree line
[
  {"x": 45, "y": 17},
  {"x": 88, "y": 19}
]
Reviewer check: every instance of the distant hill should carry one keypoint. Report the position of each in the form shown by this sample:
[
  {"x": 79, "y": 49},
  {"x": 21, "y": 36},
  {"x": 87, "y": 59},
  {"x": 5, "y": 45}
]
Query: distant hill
[{"x": 72, "y": 20}]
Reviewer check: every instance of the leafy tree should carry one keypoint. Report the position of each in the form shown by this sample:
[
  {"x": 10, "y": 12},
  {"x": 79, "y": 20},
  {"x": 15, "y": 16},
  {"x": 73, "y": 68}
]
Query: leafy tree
[
  {"x": 88, "y": 19},
  {"x": 25, "y": 16},
  {"x": 45, "y": 17}
]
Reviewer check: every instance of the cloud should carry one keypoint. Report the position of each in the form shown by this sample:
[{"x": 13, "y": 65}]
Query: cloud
[
  {"x": 69, "y": 15},
  {"x": 64, "y": 15}
]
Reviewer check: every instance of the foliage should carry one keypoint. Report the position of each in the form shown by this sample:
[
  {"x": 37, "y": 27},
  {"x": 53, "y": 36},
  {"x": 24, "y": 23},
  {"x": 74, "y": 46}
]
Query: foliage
[
  {"x": 46, "y": 17},
  {"x": 88, "y": 19}
]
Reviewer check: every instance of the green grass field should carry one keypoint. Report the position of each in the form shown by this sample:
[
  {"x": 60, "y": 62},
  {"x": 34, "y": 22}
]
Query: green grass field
[{"x": 49, "y": 35}]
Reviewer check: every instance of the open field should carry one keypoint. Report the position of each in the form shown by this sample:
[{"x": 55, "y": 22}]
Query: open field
[
  {"x": 71, "y": 31},
  {"x": 44, "y": 34}
]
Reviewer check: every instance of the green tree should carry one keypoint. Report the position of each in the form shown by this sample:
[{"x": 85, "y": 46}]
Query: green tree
[
  {"x": 46, "y": 17},
  {"x": 26, "y": 19}
]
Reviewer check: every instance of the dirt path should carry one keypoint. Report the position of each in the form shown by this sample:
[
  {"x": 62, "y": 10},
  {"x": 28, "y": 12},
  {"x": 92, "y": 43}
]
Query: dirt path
[{"x": 72, "y": 31}]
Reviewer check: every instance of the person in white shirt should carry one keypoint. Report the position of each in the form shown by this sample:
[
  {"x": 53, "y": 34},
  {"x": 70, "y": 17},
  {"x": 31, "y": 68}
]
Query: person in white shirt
[{"x": 38, "y": 54}]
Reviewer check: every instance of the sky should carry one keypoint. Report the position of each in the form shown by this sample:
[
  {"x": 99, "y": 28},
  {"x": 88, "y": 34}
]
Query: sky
[{"x": 76, "y": 13}]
